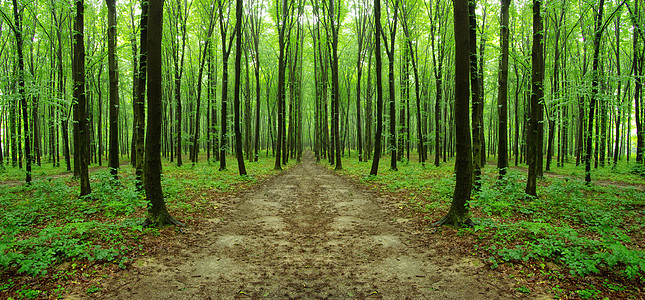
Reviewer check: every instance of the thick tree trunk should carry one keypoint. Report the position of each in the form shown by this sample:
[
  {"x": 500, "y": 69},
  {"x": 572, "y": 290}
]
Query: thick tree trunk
[
  {"x": 537, "y": 94},
  {"x": 458, "y": 213},
  {"x": 157, "y": 212},
  {"x": 113, "y": 163},
  {"x": 281, "y": 82},
  {"x": 502, "y": 95},
  {"x": 79, "y": 98},
  {"x": 238, "y": 87},
  {"x": 379, "y": 88},
  {"x": 139, "y": 105}
]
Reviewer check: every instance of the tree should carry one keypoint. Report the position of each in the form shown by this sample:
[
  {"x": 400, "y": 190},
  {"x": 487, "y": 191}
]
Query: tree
[
  {"x": 80, "y": 100},
  {"x": 477, "y": 95},
  {"x": 113, "y": 71},
  {"x": 238, "y": 87},
  {"x": 379, "y": 88},
  {"x": 158, "y": 214},
  {"x": 282, "y": 11},
  {"x": 139, "y": 105},
  {"x": 389, "y": 50},
  {"x": 361, "y": 35},
  {"x": 594, "y": 89},
  {"x": 227, "y": 44},
  {"x": 415, "y": 68},
  {"x": 211, "y": 24},
  {"x": 17, "y": 30},
  {"x": 537, "y": 94},
  {"x": 334, "y": 16},
  {"x": 255, "y": 27},
  {"x": 502, "y": 94},
  {"x": 458, "y": 213},
  {"x": 181, "y": 19}
]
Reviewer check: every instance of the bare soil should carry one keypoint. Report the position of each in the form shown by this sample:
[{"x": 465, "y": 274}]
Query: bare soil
[{"x": 307, "y": 234}]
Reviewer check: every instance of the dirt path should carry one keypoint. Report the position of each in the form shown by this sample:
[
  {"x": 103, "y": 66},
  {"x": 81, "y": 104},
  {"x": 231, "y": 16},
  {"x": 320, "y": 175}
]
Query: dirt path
[{"x": 307, "y": 234}]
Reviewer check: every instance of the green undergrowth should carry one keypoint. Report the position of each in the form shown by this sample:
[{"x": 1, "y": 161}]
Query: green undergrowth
[
  {"x": 45, "y": 224},
  {"x": 593, "y": 232}
]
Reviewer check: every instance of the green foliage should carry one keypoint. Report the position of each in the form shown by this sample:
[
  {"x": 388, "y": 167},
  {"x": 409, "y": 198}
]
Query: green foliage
[{"x": 45, "y": 224}]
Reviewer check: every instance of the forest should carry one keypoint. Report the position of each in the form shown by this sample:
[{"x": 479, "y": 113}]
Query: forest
[{"x": 322, "y": 149}]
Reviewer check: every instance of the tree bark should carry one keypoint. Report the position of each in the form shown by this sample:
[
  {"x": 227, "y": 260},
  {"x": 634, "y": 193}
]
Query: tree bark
[
  {"x": 79, "y": 98},
  {"x": 458, "y": 215},
  {"x": 21, "y": 89},
  {"x": 476, "y": 94},
  {"x": 139, "y": 105},
  {"x": 379, "y": 88},
  {"x": 390, "y": 55},
  {"x": 113, "y": 163},
  {"x": 158, "y": 214},
  {"x": 195, "y": 149},
  {"x": 281, "y": 81},
  {"x": 594, "y": 90},
  {"x": 335, "y": 88},
  {"x": 238, "y": 87},
  {"x": 502, "y": 95},
  {"x": 537, "y": 94}
]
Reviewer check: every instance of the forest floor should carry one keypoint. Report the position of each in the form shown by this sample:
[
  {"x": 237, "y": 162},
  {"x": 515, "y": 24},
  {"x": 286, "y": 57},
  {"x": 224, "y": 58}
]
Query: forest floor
[
  {"x": 307, "y": 233},
  {"x": 312, "y": 232}
]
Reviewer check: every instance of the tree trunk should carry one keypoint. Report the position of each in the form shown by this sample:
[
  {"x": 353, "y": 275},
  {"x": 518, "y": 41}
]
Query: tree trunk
[
  {"x": 157, "y": 212},
  {"x": 335, "y": 88},
  {"x": 238, "y": 87},
  {"x": 476, "y": 94},
  {"x": 594, "y": 90},
  {"x": 139, "y": 105},
  {"x": 281, "y": 79},
  {"x": 21, "y": 90},
  {"x": 502, "y": 95},
  {"x": 79, "y": 98},
  {"x": 537, "y": 94},
  {"x": 113, "y": 163},
  {"x": 458, "y": 213},
  {"x": 390, "y": 55},
  {"x": 379, "y": 88}
]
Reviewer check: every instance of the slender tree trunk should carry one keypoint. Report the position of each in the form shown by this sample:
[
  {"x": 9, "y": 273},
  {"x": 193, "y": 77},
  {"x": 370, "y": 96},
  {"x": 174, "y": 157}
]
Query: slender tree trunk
[
  {"x": 368, "y": 109},
  {"x": 637, "y": 67},
  {"x": 594, "y": 90},
  {"x": 195, "y": 152},
  {"x": 21, "y": 89},
  {"x": 476, "y": 95},
  {"x": 335, "y": 25},
  {"x": 417, "y": 89}
]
